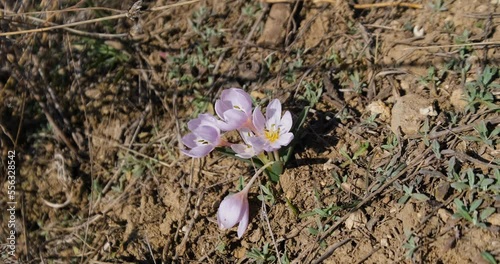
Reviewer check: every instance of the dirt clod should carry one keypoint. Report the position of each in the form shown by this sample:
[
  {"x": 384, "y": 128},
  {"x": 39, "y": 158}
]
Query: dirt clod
[{"x": 408, "y": 112}]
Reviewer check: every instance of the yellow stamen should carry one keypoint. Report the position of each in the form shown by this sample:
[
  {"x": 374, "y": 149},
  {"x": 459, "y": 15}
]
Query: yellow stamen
[{"x": 272, "y": 135}]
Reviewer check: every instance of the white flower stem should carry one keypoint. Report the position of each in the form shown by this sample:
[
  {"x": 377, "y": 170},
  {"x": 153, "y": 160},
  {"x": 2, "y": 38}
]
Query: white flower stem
[
  {"x": 276, "y": 155},
  {"x": 249, "y": 184}
]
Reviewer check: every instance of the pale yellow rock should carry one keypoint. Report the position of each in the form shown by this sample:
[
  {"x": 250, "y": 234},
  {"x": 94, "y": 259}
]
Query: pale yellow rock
[
  {"x": 378, "y": 107},
  {"x": 444, "y": 215},
  {"x": 457, "y": 99},
  {"x": 494, "y": 219},
  {"x": 355, "y": 220},
  {"x": 408, "y": 113}
]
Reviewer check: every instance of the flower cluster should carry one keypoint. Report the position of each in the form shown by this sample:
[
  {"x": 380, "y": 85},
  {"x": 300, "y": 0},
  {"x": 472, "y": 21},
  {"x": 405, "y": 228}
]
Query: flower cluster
[
  {"x": 234, "y": 109},
  {"x": 259, "y": 134}
]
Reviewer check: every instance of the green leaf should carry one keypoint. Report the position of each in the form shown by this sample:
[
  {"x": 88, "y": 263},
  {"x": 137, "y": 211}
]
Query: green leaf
[
  {"x": 296, "y": 130},
  {"x": 320, "y": 212},
  {"x": 462, "y": 210},
  {"x": 486, "y": 182},
  {"x": 495, "y": 132},
  {"x": 300, "y": 121},
  {"x": 241, "y": 183},
  {"x": 459, "y": 186},
  {"x": 488, "y": 257},
  {"x": 313, "y": 231},
  {"x": 471, "y": 177},
  {"x": 403, "y": 199},
  {"x": 486, "y": 213},
  {"x": 420, "y": 196},
  {"x": 362, "y": 150},
  {"x": 487, "y": 75},
  {"x": 475, "y": 205},
  {"x": 275, "y": 171},
  {"x": 292, "y": 207},
  {"x": 472, "y": 138},
  {"x": 435, "y": 148}
]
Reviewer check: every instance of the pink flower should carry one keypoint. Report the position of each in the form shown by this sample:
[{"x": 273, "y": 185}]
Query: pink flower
[
  {"x": 204, "y": 136},
  {"x": 234, "y": 209},
  {"x": 252, "y": 146},
  {"x": 274, "y": 129},
  {"x": 202, "y": 120},
  {"x": 234, "y": 109}
]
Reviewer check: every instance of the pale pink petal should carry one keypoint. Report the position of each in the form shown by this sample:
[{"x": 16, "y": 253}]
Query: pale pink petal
[
  {"x": 273, "y": 113},
  {"x": 286, "y": 122},
  {"x": 233, "y": 100},
  {"x": 202, "y": 120},
  {"x": 242, "y": 227},
  {"x": 190, "y": 140},
  {"x": 221, "y": 107},
  {"x": 240, "y": 98},
  {"x": 198, "y": 152},
  {"x": 283, "y": 140},
  {"x": 259, "y": 121},
  {"x": 243, "y": 151},
  {"x": 257, "y": 144},
  {"x": 234, "y": 119},
  {"x": 231, "y": 210},
  {"x": 208, "y": 133}
]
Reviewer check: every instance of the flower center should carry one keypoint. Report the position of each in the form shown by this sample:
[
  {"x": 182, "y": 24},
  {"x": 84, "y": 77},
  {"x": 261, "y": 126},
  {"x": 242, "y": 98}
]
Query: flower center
[{"x": 272, "y": 135}]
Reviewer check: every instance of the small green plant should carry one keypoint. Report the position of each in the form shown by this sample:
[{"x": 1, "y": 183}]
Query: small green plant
[
  {"x": 449, "y": 27},
  {"x": 471, "y": 214},
  {"x": 391, "y": 142},
  {"x": 221, "y": 247},
  {"x": 290, "y": 76},
  {"x": 326, "y": 212},
  {"x": 410, "y": 245},
  {"x": 357, "y": 83},
  {"x": 467, "y": 181},
  {"x": 333, "y": 57},
  {"x": 268, "y": 63},
  {"x": 96, "y": 190},
  {"x": 453, "y": 117},
  {"x": 344, "y": 115},
  {"x": 480, "y": 91},
  {"x": 438, "y": 6},
  {"x": 339, "y": 180},
  {"x": 200, "y": 103},
  {"x": 284, "y": 258},
  {"x": 313, "y": 92},
  {"x": 436, "y": 148},
  {"x": 432, "y": 78},
  {"x": 320, "y": 229},
  {"x": 361, "y": 151},
  {"x": 370, "y": 121},
  {"x": 484, "y": 135},
  {"x": 261, "y": 256},
  {"x": 424, "y": 131},
  {"x": 267, "y": 195},
  {"x": 389, "y": 171},
  {"x": 103, "y": 55},
  {"x": 408, "y": 193},
  {"x": 462, "y": 39},
  {"x": 249, "y": 10}
]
